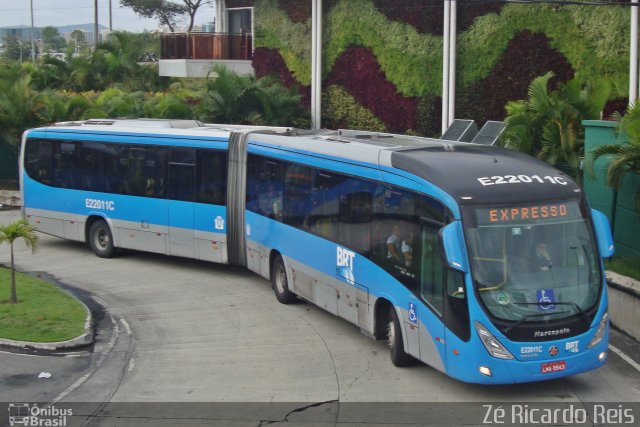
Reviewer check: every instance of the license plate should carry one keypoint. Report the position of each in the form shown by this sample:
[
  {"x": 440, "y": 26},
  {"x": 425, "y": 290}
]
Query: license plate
[{"x": 548, "y": 368}]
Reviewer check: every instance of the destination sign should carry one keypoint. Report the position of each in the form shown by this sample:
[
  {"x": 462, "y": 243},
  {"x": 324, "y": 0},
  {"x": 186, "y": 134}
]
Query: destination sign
[{"x": 527, "y": 214}]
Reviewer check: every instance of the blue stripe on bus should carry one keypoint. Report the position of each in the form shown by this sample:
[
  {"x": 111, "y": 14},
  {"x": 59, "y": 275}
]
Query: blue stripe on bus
[
  {"x": 125, "y": 208},
  {"x": 135, "y": 138}
]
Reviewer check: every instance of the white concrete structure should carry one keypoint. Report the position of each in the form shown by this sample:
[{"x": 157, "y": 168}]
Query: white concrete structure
[
  {"x": 200, "y": 67},
  {"x": 231, "y": 46}
]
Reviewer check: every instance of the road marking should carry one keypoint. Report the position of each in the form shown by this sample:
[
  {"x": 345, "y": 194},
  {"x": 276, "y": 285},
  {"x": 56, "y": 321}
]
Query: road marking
[
  {"x": 624, "y": 357},
  {"x": 24, "y": 354},
  {"x": 126, "y": 326},
  {"x": 99, "y": 362}
]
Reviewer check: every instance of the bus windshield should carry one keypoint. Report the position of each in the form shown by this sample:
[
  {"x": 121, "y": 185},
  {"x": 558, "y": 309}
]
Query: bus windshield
[{"x": 534, "y": 262}]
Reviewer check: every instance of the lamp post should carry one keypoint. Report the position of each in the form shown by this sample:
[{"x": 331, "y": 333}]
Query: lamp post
[
  {"x": 449, "y": 64},
  {"x": 633, "y": 54},
  {"x": 95, "y": 24},
  {"x": 33, "y": 41},
  {"x": 316, "y": 64}
]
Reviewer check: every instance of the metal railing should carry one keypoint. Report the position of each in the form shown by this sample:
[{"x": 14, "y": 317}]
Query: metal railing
[{"x": 206, "y": 46}]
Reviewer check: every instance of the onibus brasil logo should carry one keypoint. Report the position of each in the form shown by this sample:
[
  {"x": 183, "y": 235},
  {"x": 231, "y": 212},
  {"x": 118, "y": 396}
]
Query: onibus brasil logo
[{"x": 31, "y": 415}]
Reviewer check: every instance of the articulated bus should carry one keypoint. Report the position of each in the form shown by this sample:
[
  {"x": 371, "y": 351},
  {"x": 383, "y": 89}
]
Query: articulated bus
[{"x": 482, "y": 262}]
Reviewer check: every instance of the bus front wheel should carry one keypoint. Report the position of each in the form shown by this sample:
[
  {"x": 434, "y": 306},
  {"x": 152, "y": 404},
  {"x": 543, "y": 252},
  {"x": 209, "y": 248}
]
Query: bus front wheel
[
  {"x": 100, "y": 239},
  {"x": 398, "y": 356},
  {"x": 280, "y": 283}
]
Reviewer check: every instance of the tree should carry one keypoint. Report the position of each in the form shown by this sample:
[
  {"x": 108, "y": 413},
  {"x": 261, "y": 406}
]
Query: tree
[
  {"x": 549, "y": 124},
  {"x": 243, "y": 99},
  {"x": 11, "y": 48},
  {"x": 166, "y": 11},
  {"x": 20, "y": 105},
  {"x": 52, "y": 40},
  {"x": 625, "y": 158},
  {"x": 19, "y": 229},
  {"x": 78, "y": 39}
]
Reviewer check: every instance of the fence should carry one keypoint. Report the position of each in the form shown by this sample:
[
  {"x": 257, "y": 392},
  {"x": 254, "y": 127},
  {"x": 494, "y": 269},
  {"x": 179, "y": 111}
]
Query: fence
[
  {"x": 618, "y": 205},
  {"x": 206, "y": 46}
]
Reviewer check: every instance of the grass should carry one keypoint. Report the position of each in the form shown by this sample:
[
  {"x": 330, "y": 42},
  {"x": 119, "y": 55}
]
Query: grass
[
  {"x": 629, "y": 267},
  {"x": 44, "y": 313}
]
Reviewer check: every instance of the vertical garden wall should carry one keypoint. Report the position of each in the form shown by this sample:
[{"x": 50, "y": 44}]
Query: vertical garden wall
[{"x": 382, "y": 59}]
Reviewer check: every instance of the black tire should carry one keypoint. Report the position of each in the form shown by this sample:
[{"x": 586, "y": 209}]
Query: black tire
[
  {"x": 398, "y": 356},
  {"x": 280, "y": 283},
  {"x": 101, "y": 240}
]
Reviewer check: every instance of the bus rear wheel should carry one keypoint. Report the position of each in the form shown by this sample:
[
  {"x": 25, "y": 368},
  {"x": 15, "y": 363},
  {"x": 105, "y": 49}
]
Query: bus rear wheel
[
  {"x": 280, "y": 283},
  {"x": 398, "y": 356},
  {"x": 100, "y": 239}
]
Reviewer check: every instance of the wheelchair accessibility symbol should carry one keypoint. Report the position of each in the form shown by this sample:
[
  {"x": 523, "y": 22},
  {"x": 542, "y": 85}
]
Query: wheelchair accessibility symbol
[
  {"x": 546, "y": 299},
  {"x": 413, "y": 313}
]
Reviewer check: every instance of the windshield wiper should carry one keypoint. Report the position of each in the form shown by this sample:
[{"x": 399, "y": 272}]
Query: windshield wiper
[
  {"x": 530, "y": 316},
  {"x": 581, "y": 313}
]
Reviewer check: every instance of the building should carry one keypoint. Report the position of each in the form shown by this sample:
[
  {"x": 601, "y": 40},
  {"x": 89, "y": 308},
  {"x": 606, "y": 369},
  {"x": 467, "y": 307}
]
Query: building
[
  {"x": 382, "y": 60},
  {"x": 193, "y": 54}
]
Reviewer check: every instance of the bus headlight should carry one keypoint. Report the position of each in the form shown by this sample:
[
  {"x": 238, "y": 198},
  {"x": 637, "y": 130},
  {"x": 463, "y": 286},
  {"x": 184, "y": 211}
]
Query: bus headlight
[
  {"x": 490, "y": 342},
  {"x": 599, "y": 335}
]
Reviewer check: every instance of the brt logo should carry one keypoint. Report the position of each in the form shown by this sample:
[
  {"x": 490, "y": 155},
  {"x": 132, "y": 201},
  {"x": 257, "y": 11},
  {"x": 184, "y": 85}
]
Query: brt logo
[{"x": 345, "y": 264}]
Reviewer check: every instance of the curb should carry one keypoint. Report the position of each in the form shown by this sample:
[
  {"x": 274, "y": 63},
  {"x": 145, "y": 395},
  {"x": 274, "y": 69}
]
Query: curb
[
  {"x": 80, "y": 341},
  {"x": 624, "y": 303},
  {"x": 623, "y": 283},
  {"x": 10, "y": 198}
]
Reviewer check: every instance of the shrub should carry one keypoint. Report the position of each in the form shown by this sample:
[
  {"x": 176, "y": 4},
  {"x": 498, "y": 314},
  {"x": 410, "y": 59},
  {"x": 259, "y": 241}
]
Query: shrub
[
  {"x": 509, "y": 79},
  {"x": 548, "y": 124},
  {"x": 341, "y": 110},
  {"x": 358, "y": 72}
]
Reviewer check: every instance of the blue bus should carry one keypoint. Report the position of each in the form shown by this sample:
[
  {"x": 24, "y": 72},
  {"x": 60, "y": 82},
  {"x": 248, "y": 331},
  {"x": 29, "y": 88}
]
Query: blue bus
[{"x": 481, "y": 262}]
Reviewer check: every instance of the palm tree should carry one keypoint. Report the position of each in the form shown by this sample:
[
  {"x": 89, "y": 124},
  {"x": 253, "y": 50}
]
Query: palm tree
[
  {"x": 9, "y": 233},
  {"x": 549, "y": 124},
  {"x": 235, "y": 98},
  {"x": 19, "y": 107},
  {"x": 625, "y": 158}
]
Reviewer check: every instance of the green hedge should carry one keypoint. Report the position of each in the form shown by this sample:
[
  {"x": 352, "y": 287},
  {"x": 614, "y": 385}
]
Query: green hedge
[
  {"x": 342, "y": 111},
  {"x": 593, "y": 39}
]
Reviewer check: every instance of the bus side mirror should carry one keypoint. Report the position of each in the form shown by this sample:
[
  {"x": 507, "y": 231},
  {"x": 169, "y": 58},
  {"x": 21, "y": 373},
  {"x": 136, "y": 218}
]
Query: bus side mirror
[
  {"x": 603, "y": 233},
  {"x": 454, "y": 244}
]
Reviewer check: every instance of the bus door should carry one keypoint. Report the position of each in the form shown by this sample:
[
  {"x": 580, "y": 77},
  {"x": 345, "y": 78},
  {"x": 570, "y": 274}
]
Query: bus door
[
  {"x": 432, "y": 283},
  {"x": 181, "y": 208}
]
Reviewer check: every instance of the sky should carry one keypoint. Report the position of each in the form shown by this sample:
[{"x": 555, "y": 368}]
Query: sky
[{"x": 70, "y": 12}]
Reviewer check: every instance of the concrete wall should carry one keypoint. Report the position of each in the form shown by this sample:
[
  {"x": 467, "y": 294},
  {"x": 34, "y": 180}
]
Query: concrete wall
[
  {"x": 624, "y": 303},
  {"x": 199, "y": 67},
  {"x": 10, "y": 198}
]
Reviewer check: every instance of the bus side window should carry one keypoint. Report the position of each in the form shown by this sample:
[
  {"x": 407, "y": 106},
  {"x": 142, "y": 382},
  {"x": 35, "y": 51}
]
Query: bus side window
[
  {"x": 298, "y": 182},
  {"x": 323, "y": 219},
  {"x": 396, "y": 229},
  {"x": 181, "y": 180},
  {"x": 457, "y": 309},
  {"x": 67, "y": 170},
  {"x": 99, "y": 166},
  {"x": 39, "y": 160},
  {"x": 211, "y": 177},
  {"x": 356, "y": 214},
  {"x": 264, "y": 186}
]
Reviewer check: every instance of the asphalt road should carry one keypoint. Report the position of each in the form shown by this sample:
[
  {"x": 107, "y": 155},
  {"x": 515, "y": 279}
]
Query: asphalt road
[{"x": 178, "y": 330}]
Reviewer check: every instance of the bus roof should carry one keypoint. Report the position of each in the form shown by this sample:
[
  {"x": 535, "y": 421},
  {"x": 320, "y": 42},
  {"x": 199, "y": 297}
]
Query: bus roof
[{"x": 471, "y": 173}]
